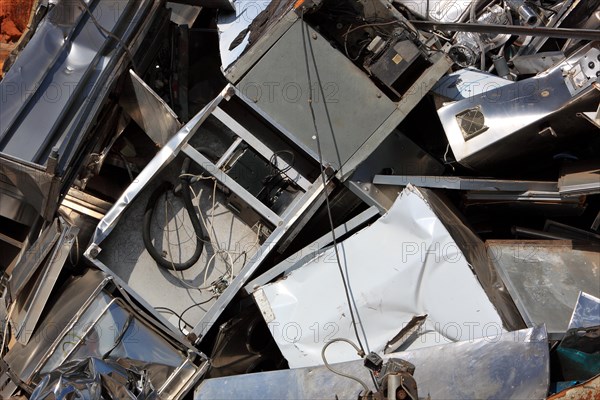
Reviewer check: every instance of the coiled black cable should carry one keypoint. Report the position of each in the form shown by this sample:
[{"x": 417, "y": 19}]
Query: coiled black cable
[{"x": 199, "y": 229}]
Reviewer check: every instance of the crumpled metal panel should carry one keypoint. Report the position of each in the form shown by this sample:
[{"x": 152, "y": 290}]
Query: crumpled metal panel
[
  {"x": 87, "y": 322},
  {"x": 404, "y": 265},
  {"x": 438, "y": 10},
  {"x": 513, "y": 365},
  {"x": 91, "y": 379}
]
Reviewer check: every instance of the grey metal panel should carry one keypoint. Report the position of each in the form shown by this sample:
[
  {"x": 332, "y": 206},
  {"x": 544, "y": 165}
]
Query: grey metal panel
[
  {"x": 420, "y": 88},
  {"x": 148, "y": 110},
  {"x": 348, "y": 109},
  {"x": 515, "y": 365},
  {"x": 545, "y": 277}
]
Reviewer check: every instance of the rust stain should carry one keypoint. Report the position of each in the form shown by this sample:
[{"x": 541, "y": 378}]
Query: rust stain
[{"x": 589, "y": 390}]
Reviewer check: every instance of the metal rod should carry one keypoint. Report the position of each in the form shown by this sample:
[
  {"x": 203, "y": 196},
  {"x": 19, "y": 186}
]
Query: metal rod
[{"x": 560, "y": 33}]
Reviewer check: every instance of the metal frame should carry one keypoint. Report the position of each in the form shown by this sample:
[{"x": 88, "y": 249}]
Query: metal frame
[{"x": 293, "y": 216}]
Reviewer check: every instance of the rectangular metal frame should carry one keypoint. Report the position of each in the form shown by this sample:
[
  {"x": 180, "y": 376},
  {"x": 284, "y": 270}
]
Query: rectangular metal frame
[{"x": 290, "y": 218}]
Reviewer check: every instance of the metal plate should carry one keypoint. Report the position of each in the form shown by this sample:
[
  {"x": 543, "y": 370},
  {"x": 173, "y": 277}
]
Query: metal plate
[
  {"x": 347, "y": 110},
  {"x": 545, "y": 277}
]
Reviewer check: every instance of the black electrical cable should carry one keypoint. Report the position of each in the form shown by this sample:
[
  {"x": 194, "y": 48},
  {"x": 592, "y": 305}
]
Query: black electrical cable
[
  {"x": 199, "y": 229},
  {"x": 192, "y": 306},
  {"x": 328, "y": 206},
  {"x": 171, "y": 311}
]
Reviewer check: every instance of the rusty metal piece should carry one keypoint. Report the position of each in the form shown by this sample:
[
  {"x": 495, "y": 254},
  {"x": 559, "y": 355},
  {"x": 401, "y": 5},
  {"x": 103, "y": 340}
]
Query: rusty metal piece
[{"x": 588, "y": 390}]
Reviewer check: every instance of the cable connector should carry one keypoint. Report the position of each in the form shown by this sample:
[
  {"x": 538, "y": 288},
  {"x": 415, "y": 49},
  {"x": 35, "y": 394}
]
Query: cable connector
[{"x": 374, "y": 362}]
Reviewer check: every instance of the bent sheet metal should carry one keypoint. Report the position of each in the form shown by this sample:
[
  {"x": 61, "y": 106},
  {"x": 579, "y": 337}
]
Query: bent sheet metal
[{"x": 405, "y": 265}]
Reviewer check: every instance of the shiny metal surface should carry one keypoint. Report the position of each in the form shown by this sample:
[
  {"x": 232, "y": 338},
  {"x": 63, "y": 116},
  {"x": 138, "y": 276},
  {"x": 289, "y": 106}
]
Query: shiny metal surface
[
  {"x": 458, "y": 183},
  {"x": 72, "y": 60},
  {"x": 30, "y": 304},
  {"x": 439, "y": 10},
  {"x": 148, "y": 110},
  {"x": 526, "y": 117},
  {"x": 586, "y": 313},
  {"x": 579, "y": 179},
  {"x": 513, "y": 365},
  {"x": 304, "y": 255},
  {"x": 544, "y": 277},
  {"x": 92, "y": 379},
  {"x": 85, "y": 322},
  {"x": 33, "y": 257},
  {"x": 411, "y": 257},
  {"x": 559, "y": 33}
]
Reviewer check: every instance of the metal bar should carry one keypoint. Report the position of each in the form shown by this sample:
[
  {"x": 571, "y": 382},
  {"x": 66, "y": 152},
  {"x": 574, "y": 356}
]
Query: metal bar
[
  {"x": 257, "y": 145},
  {"x": 227, "y": 155},
  {"x": 356, "y": 188},
  {"x": 302, "y": 256},
  {"x": 533, "y": 233},
  {"x": 459, "y": 183},
  {"x": 11, "y": 241},
  {"x": 82, "y": 209},
  {"x": 299, "y": 209},
  {"x": 559, "y": 33},
  {"x": 232, "y": 185}
]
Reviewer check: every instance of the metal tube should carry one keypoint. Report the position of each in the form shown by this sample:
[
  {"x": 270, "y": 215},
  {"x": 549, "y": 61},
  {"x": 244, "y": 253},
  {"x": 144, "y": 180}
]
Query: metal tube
[{"x": 561, "y": 33}]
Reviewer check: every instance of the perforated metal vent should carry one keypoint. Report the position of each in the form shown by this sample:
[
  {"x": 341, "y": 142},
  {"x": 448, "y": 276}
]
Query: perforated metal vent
[{"x": 471, "y": 122}]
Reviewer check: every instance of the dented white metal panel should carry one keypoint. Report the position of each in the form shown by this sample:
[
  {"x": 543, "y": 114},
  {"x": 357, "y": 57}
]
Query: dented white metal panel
[{"x": 405, "y": 264}]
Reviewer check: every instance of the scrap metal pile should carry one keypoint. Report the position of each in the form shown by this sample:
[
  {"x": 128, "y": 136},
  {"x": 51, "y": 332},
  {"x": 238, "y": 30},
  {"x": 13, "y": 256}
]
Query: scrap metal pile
[{"x": 320, "y": 199}]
